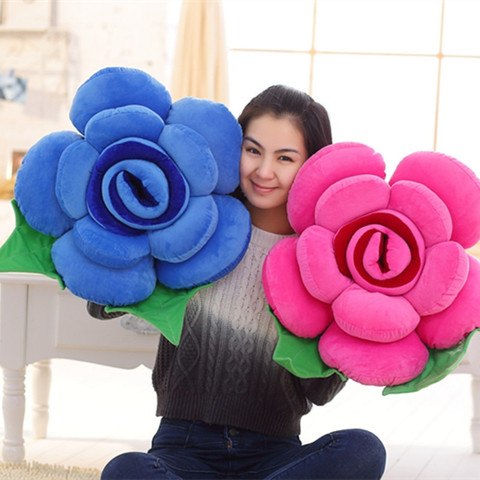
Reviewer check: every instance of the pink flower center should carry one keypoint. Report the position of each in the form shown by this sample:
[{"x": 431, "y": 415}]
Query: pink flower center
[{"x": 382, "y": 251}]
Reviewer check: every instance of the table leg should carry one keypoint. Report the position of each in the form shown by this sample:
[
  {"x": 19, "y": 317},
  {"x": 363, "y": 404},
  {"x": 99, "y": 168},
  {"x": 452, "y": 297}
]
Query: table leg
[
  {"x": 13, "y": 414},
  {"x": 41, "y": 381},
  {"x": 475, "y": 427}
]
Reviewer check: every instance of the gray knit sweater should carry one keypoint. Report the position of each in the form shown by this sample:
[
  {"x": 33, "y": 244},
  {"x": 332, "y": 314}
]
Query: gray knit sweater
[{"x": 222, "y": 371}]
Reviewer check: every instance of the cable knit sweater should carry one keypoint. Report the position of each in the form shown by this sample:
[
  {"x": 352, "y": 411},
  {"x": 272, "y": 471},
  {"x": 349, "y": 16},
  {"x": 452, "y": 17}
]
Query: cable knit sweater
[{"x": 222, "y": 372}]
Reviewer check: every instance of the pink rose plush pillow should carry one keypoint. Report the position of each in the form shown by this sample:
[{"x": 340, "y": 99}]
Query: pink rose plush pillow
[{"x": 379, "y": 270}]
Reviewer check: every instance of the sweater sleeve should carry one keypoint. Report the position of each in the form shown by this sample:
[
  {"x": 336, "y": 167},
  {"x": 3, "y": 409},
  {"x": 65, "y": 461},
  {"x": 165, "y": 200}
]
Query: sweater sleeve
[
  {"x": 321, "y": 390},
  {"x": 98, "y": 311}
]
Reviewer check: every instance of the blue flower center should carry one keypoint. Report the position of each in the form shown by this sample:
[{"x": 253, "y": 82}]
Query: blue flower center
[
  {"x": 139, "y": 190},
  {"x": 135, "y": 186}
]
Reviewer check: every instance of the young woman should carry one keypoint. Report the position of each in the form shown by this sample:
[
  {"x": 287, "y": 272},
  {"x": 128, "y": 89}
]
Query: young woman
[{"x": 228, "y": 410}]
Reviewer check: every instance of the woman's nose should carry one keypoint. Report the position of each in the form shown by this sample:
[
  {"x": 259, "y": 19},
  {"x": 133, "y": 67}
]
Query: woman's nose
[{"x": 265, "y": 169}]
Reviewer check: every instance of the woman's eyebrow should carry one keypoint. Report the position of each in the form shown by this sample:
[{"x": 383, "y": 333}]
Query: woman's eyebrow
[
  {"x": 250, "y": 139},
  {"x": 283, "y": 150},
  {"x": 280, "y": 150}
]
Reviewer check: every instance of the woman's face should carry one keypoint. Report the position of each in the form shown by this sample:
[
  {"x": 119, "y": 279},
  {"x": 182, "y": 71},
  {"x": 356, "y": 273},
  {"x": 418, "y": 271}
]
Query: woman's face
[{"x": 272, "y": 153}]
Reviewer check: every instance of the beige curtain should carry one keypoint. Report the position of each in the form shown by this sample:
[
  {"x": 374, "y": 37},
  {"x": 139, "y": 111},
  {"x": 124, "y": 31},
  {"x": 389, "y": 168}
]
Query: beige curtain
[{"x": 200, "y": 64}]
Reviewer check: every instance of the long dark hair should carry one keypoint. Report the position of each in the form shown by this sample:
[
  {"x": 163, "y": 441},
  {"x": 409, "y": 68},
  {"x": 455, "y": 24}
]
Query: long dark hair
[{"x": 310, "y": 117}]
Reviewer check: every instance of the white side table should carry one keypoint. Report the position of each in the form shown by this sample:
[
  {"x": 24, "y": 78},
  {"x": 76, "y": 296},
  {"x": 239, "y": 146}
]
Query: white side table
[
  {"x": 39, "y": 321},
  {"x": 471, "y": 364}
]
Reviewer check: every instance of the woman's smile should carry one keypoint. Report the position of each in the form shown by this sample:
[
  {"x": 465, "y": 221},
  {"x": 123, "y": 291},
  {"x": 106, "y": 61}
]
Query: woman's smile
[{"x": 262, "y": 189}]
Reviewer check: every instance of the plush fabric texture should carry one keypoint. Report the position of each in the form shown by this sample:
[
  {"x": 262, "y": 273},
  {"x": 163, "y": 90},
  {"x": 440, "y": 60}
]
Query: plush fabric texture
[
  {"x": 438, "y": 330},
  {"x": 138, "y": 192},
  {"x": 218, "y": 255},
  {"x": 284, "y": 274},
  {"x": 116, "y": 87},
  {"x": 113, "y": 124},
  {"x": 394, "y": 363},
  {"x": 388, "y": 258},
  {"x": 454, "y": 183},
  {"x": 324, "y": 169},
  {"x": 41, "y": 175},
  {"x": 212, "y": 121}
]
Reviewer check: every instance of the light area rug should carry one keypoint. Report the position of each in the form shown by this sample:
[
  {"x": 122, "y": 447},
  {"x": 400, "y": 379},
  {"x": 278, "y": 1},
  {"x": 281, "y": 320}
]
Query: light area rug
[{"x": 39, "y": 471}]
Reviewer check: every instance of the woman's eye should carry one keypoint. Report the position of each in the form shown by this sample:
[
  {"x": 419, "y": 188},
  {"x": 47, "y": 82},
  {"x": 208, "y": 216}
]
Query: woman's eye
[
  {"x": 252, "y": 150},
  {"x": 284, "y": 158}
]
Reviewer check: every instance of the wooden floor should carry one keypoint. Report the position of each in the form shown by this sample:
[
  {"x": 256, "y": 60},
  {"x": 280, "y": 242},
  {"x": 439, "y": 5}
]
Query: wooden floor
[{"x": 98, "y": 412}]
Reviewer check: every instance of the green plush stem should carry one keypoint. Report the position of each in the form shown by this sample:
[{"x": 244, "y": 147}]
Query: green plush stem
[
  {"x": 164, "y": 309},
  {"x": 300, "y": 355},
  {"x": 27, "y": 250},
  {"x": 440, "y": 364}
]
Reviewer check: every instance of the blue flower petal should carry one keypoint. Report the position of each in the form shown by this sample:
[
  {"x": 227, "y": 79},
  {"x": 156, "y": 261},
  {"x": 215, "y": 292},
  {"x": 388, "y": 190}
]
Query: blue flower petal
[
  {"x": 190, "y": 151},
  {"x": 115, "y": 87},
  {"x": 73, "y": 174},
  {"x": 35, "y": 184},
  {"x": 100, "y": 284},
  {"x": 221, "y": 130},
  {"x": 188, "y": 234},
  {"x": 221, "y": 253},
  {"x": 108, "y": 126},
  {"x": 109, "y": 249}
]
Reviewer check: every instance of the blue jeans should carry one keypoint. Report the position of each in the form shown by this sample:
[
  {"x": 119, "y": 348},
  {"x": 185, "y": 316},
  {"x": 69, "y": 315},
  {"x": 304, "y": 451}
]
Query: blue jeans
[{"x": 195, "y": 450}]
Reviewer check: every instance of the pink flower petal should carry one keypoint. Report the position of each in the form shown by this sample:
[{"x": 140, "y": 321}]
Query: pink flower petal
[
  {"x": 374, "y": 316},
  {"x": 424, "y": 208},
  {"x": 448, "y": 327},
  {"x": 373, "y": 363},
  {"x": 318, "y": 266},
  {"x": 454, "y": 183},
  {"x": 327, "y": 166},
  {"x": 295, "y": 308},
  {"x": 443, "y": 276},
  {"x": 350, "y": 198}
]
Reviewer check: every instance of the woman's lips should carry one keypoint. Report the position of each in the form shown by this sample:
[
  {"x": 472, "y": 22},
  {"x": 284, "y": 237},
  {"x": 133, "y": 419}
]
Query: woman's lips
[{"x": 262, "y": 189}]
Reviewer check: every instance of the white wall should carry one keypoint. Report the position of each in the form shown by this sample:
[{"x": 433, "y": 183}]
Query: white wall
[
  {"x": 128, "y": 33},
  {"x": 57, "y": 45}
]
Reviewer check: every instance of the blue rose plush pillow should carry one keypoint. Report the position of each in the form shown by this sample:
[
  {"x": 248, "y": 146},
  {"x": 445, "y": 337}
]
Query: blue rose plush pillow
[{"x": 138, "y": 196}]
